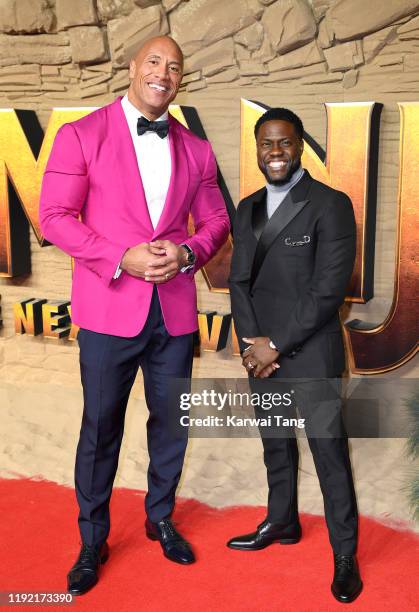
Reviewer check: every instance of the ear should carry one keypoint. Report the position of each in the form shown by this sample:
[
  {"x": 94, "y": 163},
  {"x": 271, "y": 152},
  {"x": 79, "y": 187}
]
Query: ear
[
  {"x": 132, "y": 67},
  {"x": 301, "y": 146}
]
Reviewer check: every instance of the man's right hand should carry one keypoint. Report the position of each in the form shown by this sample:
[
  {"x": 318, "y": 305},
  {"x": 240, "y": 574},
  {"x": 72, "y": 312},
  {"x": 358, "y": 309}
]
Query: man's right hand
[{"x": 138, "y": 259}]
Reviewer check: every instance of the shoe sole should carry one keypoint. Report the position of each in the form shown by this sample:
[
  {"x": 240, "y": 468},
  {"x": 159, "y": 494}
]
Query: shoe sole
[
  {"x": 349, "y": 599},
  {"x": 284, "y": 541},
  {"x": 78, "y": 593},
  {"x": 151, "y": 536}
]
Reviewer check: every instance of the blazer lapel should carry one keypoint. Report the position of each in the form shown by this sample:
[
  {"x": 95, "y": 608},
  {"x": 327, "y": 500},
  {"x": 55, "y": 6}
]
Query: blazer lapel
[
  {"x": 292, "y": 205},
  {"x": 125, "y": 162},
  {"x": 259, "y": 213},
  {"x": 179, "y": 180}
]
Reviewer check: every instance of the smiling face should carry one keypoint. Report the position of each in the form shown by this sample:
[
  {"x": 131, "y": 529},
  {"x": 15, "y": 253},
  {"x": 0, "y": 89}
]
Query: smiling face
[
  {"x": 279, "y": 150},
  {"x": 155, "y": 74}
]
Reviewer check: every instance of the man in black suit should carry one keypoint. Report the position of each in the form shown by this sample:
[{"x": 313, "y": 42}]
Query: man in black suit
[{"x": 294, "y": 250}]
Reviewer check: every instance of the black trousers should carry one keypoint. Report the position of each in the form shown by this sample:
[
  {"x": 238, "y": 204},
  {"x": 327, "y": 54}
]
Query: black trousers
[
  {"x": 109, "y": 365},
  {"x": 318, "y": 402}
]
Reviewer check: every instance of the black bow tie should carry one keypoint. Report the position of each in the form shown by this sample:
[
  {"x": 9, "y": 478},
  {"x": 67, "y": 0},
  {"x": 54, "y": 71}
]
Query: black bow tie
[{"x": 160, "y": 127}]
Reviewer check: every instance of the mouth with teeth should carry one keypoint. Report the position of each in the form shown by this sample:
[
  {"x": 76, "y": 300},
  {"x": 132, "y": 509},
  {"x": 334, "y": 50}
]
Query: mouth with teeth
[{"x": 157, "y": 87}]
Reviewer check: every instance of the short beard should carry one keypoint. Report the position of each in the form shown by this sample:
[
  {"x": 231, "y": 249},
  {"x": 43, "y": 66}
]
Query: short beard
[{"x": 278, "y": 182}]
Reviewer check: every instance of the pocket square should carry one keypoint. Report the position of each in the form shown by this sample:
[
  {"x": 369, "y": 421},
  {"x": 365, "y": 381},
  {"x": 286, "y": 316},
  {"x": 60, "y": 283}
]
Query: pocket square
[{"x": 293, "y": 242}]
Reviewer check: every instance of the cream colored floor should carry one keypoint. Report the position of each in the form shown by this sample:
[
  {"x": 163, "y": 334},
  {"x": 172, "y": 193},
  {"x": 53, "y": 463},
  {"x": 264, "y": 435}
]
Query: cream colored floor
[{"x": 40, "y": 425}]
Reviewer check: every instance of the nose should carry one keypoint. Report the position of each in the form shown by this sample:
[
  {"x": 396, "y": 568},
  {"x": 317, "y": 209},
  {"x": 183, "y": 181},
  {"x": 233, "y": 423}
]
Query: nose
[
  {"x": 276, "y": 150},
  {"x": 162, "y": 70}
]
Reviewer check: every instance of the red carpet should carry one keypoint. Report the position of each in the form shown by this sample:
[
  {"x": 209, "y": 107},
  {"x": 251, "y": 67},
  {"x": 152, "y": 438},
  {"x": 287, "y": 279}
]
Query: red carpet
[{"x": 39, "y": 542}]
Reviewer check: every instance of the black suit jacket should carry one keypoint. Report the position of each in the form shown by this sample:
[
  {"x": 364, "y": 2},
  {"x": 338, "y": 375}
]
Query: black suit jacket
[{"x": 289, "y": 275}]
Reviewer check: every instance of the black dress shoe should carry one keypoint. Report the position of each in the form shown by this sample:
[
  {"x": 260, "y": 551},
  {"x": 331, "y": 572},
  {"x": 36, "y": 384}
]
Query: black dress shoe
[
  {"x": 347, "y": 584},
  {"x": 174, "y": 546},
  {"x": 84, "y": 573},
  {"x": 266, "y": 534}
]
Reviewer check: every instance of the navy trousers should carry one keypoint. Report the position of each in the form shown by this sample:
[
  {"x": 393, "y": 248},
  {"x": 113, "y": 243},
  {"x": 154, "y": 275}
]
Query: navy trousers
[{"x": 108, "y": 366}]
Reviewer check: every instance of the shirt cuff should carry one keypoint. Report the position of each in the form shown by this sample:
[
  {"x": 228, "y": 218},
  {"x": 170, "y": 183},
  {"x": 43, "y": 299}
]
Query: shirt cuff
[{"x": 118, "y": 272}]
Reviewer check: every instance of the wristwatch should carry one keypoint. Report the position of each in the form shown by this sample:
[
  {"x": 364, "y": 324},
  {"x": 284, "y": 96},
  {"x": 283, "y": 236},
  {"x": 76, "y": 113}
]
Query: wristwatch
[{"x": 190, "y": 258}]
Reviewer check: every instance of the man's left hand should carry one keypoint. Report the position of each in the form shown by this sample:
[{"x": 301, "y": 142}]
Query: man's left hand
[
  {"x": 172, "y": 259},
  {"x": 259, "y": 356}
]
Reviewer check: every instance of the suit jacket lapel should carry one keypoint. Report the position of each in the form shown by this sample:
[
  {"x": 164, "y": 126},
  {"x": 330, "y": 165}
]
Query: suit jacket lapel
[
  {"x": 125, "y": 162},
  {"x": 259, "y": 213},
  {"x": 179, "y": 179},
  {"x": 291, "y": 206}
]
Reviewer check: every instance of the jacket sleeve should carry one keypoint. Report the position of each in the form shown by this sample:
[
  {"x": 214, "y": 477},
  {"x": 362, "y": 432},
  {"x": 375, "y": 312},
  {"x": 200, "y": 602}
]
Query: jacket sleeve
[
  {"x": 209, "y": 214},
  {"x": 239, "y": 282},
  {"x": 64, "y": 190},
  {"x": 334, "y": 260}
]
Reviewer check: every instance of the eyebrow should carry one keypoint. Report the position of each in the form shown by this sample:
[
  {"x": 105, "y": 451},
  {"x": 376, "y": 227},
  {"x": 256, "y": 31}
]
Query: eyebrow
[{"x": 157, "y": 56}]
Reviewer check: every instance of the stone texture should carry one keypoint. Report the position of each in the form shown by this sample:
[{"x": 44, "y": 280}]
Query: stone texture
[
  {"x": 352, "y": 19},
  {"x": 17, "y": 69},
  {"x": 252, "y": 68},
  {"x": 289, "y": 25},
  {"x": 350, "y": 79},
  {"x": 193, "y": 76},
  {"x": 146, "y": 3},
  {"x": 120, "y": 80},
  {"x": 251, "y": 37},
  {"x": 227, "y": 76},
  {"x": 213, "y": 69},
  {"x": 345, "y": 56},
  {"x": 71, "y": 71},
  {"x": 265, "y": 53},
  {"x": 320, "y": 7},
  {"x": 39, "y": 49},
  {"x": 304, "y": 56},
  {"x": 50, "y": 70},
  {"x": 169, "y": 5},
  {"x": 196, "y": 86},
  {"x": 127, "y": 34},
  {"x": 324, "y": 36},
  {"x": 25, "y": 16},
  {"x": 112, "y": 9},
  {"x": 20, "y": 79},
  {"x": 409, "y": 30},
  {"x": 196, "y": 24},
  {"x": 74, "y": 13},
  {"x": 219, "y": 52},
  {"x": 375, "y": 42},
  {"x": 87, "y": 44},
  {"x": 100, "y": 78},
  {"x": 97, "y": 90},
  {"x": 241, "y": 52},
  {"x": 105, "y": 67}
]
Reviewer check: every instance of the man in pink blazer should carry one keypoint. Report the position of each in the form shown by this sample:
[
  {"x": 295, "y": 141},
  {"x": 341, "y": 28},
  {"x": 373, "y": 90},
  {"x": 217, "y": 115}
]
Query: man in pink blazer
[{"x": 117, "y": 193}]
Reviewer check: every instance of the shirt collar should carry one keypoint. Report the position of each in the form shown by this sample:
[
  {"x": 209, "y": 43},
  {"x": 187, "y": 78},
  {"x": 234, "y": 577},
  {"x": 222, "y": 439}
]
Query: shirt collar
[
  {"x": 295, "y": 177},
  {"x": 132, "y": 113}
]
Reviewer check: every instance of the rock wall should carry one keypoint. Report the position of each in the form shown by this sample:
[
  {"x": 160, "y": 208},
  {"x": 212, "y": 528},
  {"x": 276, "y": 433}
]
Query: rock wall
[{"x": 280, "y": 52}]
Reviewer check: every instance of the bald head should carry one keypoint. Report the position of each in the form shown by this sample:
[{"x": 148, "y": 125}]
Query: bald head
[
  {"x": 155, "y": 74},
  {"x": 168, "y": 41}
]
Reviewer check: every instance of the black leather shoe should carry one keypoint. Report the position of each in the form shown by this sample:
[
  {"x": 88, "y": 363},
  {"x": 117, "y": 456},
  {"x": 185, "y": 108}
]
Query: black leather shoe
[
  {"x": 84, "y": 573},
  {"x": 174, "y": 546},
  {"x": 266, "y": 534},
  {"x": 347, "y": 584}
]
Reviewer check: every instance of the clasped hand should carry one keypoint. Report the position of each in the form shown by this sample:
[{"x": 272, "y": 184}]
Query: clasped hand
[
  {"x": 157, "y": 262},
  {"x": 259, "y": 359}
]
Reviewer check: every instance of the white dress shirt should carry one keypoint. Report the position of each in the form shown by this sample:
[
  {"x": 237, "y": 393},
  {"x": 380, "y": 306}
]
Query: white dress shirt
[
  {"x": 154, "y": 163},
  {"x": 153, "y": 158}
]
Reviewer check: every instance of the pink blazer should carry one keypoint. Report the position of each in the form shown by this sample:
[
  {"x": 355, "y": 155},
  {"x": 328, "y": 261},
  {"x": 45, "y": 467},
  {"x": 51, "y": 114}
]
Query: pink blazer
[{"x": 93, "y": 207}]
